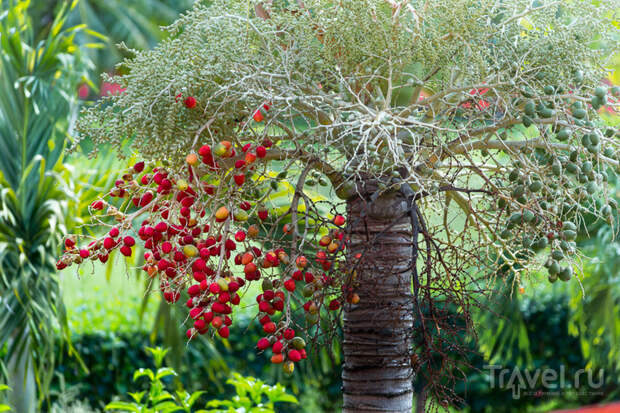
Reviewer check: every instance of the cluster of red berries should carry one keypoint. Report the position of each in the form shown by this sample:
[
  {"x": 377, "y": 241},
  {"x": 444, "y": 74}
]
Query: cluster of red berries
[{"x": 195, "y": 225}]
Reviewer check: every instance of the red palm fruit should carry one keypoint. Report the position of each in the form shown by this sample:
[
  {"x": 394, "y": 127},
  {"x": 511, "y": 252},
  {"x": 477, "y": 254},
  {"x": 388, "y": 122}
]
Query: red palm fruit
[
  {"x": 138, "y": 167},
  {"x": 258, "y": 116},
  {"x": 166, "y": 247},
  {"x": 250, "y": 157},
  {"x": 249, "y": 268},
  {"x": 200, "y": 324},
  {"x": 297, "y": 275},
  {"x": 238, "y": 259},
  {"x": 239, "y": 179},
  {"x": 289, "y": 334},
  {"x": 308, "y": 277},
  {"x": 193, "y": 290},
  {"x": 339, "y": 220},
  {"x": 277, "y": 347},
  {"x": 129, "y": 241},
  {"x": 97, "y": 205},
  {"x": 69, "y": 243},
  {"x": 235, "y": 300},
  {"x": 217, "y": 322},
  {"x": 267, "y": 143},
  {"x": 325, "y": 241},
  {"x": 289, "y": 285},
  {"x": 199, "y": 276},
  {"x": 109, "y": 243},
  {"x": 233, "y": 287},
  {"x": 204, "y": 253},
  {"x": 240, "y": 163},
  {"x": 287, "y": 229},
  {"x": 146, "y": 198},
  {"x": 190, "y": 102},
  {"x": 245, "y": 205},
  {"x": 145, "y": 179},
  {"x": 333, "y": 247},
  {"x": 194, "y": 313},
  {"x": 240, "y": 236},
  {"x": 204, "y": 150},
  {"x": 224, "y": 297},
  {"x": 301, "y": 262},
  {"x": 104, "y": 258},
  {"x": 334, "y": 305},
  {"x": 269, "y": 327},
  {"x": 277, "y": 358},
  {"x": 126, "y": 250},
  {"x": 262, "y": 344},
  {"x": 268, "y": 295},
  {"x": 230, "y": 245},
  {"x": 161, "y": 227},
  {"x": 190, "y": 333},
  {"x": 303, "y": 353},
  {"x": 214, "y": 288},
  {"x": 294, "y": 356},
  {"x": 224, "y": 332},
  {"x": 264, "y": 319},
  {"x": 208, "y": 316},
  {"x": 278, "y": 305},
  {"x": 261, "y": 151},
  {"x": 247, "y": 258},
  {"x": 264, "y": 306},
  {"x": 263, "y": 214},
  {"x": 272, "y": 257},
  {"x": 199, "y": 265}
]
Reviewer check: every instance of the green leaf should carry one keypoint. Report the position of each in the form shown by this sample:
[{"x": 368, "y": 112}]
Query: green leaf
[
  {"x": 143, "y": 372},
  {"x": 122, "y": 406}
]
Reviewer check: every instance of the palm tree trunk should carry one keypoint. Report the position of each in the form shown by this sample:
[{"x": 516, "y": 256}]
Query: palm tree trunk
[{"x": 377, "y": 372}]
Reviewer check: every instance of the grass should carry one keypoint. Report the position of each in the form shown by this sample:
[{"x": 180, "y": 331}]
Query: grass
[{"x": 95, "y": 303}]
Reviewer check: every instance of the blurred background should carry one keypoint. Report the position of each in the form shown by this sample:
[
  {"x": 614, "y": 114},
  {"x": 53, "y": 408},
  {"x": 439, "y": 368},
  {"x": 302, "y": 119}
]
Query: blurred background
[{"x": 71, "y": 342}]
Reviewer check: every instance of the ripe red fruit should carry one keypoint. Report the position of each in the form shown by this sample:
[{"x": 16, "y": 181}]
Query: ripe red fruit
[
  {"x": 138, "y": 167},
  {"x": 278, "y": 305},
  {"x": 239, "y": 179},
  {"x": 214, "y": 288},
  {"x": 204, "y": 150},
  {"x": 200, "y": 324},
  {"x": 289, "y": 334},
  {"x": 190, "y": 102},
  {"x": 103, "y": 258},
  {"x": 263, "y": 214},
  {"x": 126, "y": 250},
  {"x": 262, "y": 344},
  {"x": 294, "y": 356},
  {"x": 277, "y": 358},
  {"x": 129, "y": 241},
  {"x": 289, "y": 285},
  {"x": 190, "y": 333},
  {"x": 261, "y": 151},
  {"x": 193, "y": 290},
  {"x": 269, "y": 327},
  {"x": 69, "y": 243},
  {"x": 217, "y": 322},
  {"x": 258, "y": 116},
  {"x": 339, "y": 220},
  {"x": 240, "y": 236},
  {"x": 223, "y": 332},
  {"x": 114, "y": 232},
  {"x": 334, "y": 305},
  {"x": 97, "y": 205},
  {"x": 84, "y": 253},
  {"x": 277, "y": 347},
  {"x": 108, "y": 243}
]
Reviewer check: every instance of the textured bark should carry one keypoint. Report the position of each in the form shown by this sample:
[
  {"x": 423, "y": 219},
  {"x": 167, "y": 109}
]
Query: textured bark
[{"x": 377, "y": 372}]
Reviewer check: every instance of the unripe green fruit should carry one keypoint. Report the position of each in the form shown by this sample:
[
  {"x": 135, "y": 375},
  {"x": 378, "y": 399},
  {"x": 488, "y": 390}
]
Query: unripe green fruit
[
  {"x": 600, "y": 92},
  {"x": 569, "y": 234},
  {"x": 579, "y": 113},
  {"x": 554, "y": 268},
  {"x": 566, "y": 273},
  {"x": 535, "y": 186},
  {"x": 563, "y": 134},
  {"x": 528, "y": 216}
]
